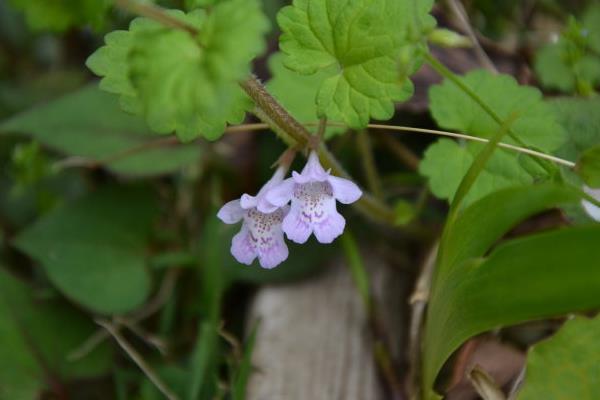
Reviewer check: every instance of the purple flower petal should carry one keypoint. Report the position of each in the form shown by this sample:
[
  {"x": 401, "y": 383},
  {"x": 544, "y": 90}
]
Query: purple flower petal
[
  {"x": 313, "y": 169},
  {"x": 247, "y": 201},
  {"x": 231, "y": 212},
  {"x": 274, "y": 254},
  {"x": 242, "y": 247},
  {"x": 280, "y": 194},
  {"x": 296, "y": 228},
  {"x": 344, "y": 190},
  {"x": 330, "y": 228}
]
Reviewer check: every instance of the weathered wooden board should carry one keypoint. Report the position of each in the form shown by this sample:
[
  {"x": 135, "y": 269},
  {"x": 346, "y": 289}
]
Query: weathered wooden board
[{"x": 313, "y": 340}]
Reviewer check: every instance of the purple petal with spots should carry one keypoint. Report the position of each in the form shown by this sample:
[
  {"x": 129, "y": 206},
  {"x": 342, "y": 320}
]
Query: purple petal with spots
[
  {"x": 242, "y": 247},
  {"x": 273, "y": 253},
  {"x": 329, "y": 228},
  {"x": 296, "y": 227}
]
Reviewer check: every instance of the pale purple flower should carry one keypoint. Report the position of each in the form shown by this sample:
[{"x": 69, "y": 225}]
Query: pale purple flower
[
  {"x": 592, "y": 210},
  {"x": 313, "y": 193},
  {"x": 261, "y": 234}
]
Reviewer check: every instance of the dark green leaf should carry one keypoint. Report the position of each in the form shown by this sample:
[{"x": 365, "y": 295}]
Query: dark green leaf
[
  {"x": 59, "y": 15},
  {"x": 35, "y": 342},
  {"x": 93, "y": 250},
  {"x": 88, "y": 123}
]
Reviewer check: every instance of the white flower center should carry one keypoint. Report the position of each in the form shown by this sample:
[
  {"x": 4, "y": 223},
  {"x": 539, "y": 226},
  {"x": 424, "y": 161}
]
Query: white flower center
[
  {"x": 312, "y": 198},
  {"x": 262, "y": 227}
]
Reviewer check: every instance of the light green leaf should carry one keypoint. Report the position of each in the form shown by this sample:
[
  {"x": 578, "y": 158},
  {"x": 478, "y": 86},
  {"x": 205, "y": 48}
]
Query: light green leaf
[
  {"x": 35, "y": 341},
  {"x": 571, "y": 63},
  {"x": 591, "y": 22},
  {"x": 93, "y": 250},
  {"x": 566, "y": 366},
  {"x": 465, "y": 241},
  {"x": 59, "y": 15},
  {"x": 357, "y": 46},
  {"x": 556, "y": 71},
  {"x": 242, "y": 374},
  {"x": 446, "y": 162},
  {"x": 180, "y": 82},
  {"x": 534, "y": 122},
  {"x": 581, "y": 122},
  {"x": 297, "y": 92},
  {"x": 88, "y": 123},
  {"x": 588, "y": 166}
]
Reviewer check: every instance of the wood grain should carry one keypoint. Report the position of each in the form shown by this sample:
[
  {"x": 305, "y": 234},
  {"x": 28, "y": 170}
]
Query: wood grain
[{"x": 313, "y": 340}]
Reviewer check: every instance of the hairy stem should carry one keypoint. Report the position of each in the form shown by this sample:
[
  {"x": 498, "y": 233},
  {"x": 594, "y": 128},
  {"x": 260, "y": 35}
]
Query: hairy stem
[
  {"x": 461, "y": 14},
  {"x": 271, "y": 112}
]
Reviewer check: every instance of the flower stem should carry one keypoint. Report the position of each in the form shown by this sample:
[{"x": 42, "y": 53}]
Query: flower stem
[{"x": 286, "y": 126}]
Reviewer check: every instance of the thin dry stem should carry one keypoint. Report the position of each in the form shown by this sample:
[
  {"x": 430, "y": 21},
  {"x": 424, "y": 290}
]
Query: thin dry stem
[
  {"x": 461, "y": 14},
  {"x": 418, "y": 301},
  {"x": 156, "y": 13},
  {"x": 138, "y": 359},
  {"x": 149, "y": 309}
]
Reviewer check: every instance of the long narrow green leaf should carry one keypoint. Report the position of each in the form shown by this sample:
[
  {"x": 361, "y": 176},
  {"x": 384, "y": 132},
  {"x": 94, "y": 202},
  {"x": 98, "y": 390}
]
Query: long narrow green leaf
[
  {"x": 479, "y": 226},
  {"x": 535, "y": 277},
  {"x": 240, "y": 380}
]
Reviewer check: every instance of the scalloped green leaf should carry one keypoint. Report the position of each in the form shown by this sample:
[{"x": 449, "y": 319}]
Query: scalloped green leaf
[
  {"x": 357, "y": 46},
  {"x": 534, "y": 121},
  {"x": 446, "y": 162},
  {"x": 60, "y": 15},
  {"x": 565, "y": 366},
  {"x": 179, "y": 82}
]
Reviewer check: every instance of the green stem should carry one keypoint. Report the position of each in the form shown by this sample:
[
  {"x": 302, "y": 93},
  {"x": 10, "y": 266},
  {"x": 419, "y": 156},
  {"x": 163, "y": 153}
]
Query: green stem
[{"x": 365, "y": 148}]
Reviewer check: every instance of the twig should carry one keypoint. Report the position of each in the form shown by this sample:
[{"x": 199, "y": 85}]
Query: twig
[
  {"x": 484, "y": 384},
  {"x": 519, "y": 149},
  {"x": 365, "y": 149},
  {"x": 138, "y": 359},
  {"x": 418, "y": 301},
  {"x": 461, "y": 14},
  {"x": 402, "y": 153},
  {"x": 77, "y": 161},
  {"x": 514, "y": 390},
  {"x": 156, "y": 13},
  {"x": 150, "y": 308}
]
